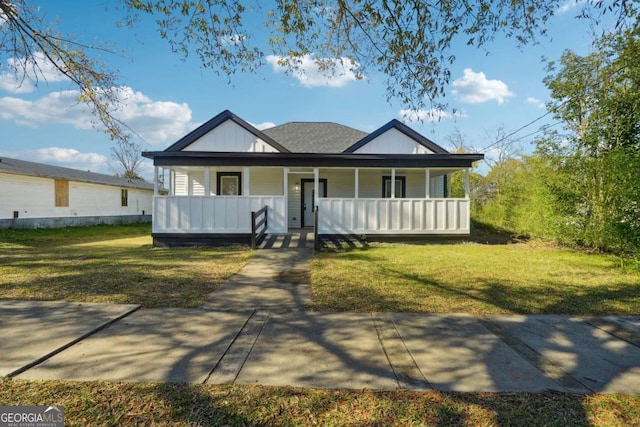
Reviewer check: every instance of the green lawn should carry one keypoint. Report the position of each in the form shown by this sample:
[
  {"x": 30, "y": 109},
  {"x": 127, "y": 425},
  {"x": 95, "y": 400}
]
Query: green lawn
[
  {"x": 106, "y": 404},
  {"x": 113, "y": 263},
  {"x": 530, "y": 277},
  {"x": 118, "y": 264}
]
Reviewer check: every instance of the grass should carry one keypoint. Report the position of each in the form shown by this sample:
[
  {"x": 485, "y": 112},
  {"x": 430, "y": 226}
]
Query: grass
[
  {"x": 102, "y": 403},
  {"x": 118, "y": 264},
  {"x": 529, "y": 277},
  {"x": 114, "y": 263}
]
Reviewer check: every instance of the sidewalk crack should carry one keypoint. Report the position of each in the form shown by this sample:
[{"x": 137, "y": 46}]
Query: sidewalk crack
[
  {"x": 404, "y": 367},
  {"x": 228, "y": 368}
]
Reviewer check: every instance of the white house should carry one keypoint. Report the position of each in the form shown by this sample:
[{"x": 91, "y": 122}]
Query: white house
[
  {"x": 34, "y": 195},
  {"x": 389, "y": 183}
]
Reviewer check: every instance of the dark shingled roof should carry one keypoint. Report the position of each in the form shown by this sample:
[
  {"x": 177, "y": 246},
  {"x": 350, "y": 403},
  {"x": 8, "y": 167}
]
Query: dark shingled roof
[
  {"x": 22, "y": 167},
  {"x": 315, "y": 137}
]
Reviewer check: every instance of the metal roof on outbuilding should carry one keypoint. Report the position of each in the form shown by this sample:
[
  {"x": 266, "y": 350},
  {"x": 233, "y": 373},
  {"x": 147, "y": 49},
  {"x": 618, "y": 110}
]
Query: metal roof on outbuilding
[{"x": 23, "y": 167}]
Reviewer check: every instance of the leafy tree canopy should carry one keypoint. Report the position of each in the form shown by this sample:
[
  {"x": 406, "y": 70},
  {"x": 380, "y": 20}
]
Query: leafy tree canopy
[{"x": 409, "y": 41}]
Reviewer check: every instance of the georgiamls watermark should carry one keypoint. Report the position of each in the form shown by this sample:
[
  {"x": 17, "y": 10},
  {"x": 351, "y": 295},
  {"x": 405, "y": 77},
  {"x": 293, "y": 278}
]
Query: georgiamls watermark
[{"x": 31, "y": 416}]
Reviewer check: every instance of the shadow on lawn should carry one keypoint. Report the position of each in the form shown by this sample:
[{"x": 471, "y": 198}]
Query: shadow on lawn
[
  {"x": 140, "y": 275},
  {"x": 198, "y": 405},
  {"x": 62, "y": 237},
  {"x": 553, "y": 298},
  {"x": 600, "y": 361},
  {"x": 191, "y": 405},
  {"x": 488, "y": 234}
]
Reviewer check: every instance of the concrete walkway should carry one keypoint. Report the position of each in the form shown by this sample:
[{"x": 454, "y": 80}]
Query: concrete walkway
[
  {"x": 254, "y": 331},
  {"x": 273, "y": 279}
]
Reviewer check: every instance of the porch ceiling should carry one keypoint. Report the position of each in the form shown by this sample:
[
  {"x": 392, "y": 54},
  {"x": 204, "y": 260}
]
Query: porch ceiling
[{"x": 199, "y": 158}]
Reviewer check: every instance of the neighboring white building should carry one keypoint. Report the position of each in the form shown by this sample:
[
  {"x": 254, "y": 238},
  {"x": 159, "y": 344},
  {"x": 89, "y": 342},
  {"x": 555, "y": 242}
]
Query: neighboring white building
[
  {"x": 35, "y": 195},
  {"x": 391, "y": 183}
]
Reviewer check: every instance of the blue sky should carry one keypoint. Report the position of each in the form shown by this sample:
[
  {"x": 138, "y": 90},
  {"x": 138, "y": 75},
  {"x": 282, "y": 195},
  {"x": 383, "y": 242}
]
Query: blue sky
[{"x": 164, "y": 97}]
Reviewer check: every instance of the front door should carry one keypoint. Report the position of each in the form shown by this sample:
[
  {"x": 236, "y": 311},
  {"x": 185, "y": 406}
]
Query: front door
[{"x": 308, "y": 196}]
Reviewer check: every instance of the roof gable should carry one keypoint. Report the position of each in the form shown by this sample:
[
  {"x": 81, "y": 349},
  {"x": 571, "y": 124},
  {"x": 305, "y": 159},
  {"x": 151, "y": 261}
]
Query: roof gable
[
  {"x": 227, "y": 132},
  {"x": 395, "y": 138}
]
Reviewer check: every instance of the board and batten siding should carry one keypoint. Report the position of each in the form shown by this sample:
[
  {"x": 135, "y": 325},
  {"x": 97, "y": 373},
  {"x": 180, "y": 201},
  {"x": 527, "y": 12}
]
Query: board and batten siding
[
  {"x": 393, "y": 142},
  {"x": 223, "y": 214},
  {"x": 230, "y": 137},
  {"x": 394, "y": 216},
  {"x": 34, "y": 197}
]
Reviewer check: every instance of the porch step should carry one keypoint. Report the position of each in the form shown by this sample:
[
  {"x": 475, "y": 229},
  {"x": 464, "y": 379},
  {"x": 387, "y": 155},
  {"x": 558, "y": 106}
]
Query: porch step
[
  {"x": 342, "y": 242},
  {"x": 304, "y": 239},
  {"x": 296, "y": 239}
]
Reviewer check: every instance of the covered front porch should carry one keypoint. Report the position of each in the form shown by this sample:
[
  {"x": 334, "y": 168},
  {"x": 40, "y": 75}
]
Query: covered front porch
[{"x": 213, "y": 204}]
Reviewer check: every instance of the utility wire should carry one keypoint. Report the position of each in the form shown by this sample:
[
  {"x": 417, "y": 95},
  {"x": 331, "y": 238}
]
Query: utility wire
[
  {"x": 526, "y": 126},
  {"x": 517, "y": 130},
  {"x": 543, "y": 128}
]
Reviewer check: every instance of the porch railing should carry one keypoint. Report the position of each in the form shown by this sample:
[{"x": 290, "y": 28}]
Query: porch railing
[
  {"x": 259, "y": 226},
  {"x": 215, "y": 214},
  {"x": 393, "y": 216}
]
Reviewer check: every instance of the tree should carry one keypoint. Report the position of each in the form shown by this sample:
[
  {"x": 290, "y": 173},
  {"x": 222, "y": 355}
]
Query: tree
[
  {"x": 128, "y": 159},
  {"x": 409, "y": 41},
  {"x": 32, "y": 45},
  {"x": 597, "y": 158}
]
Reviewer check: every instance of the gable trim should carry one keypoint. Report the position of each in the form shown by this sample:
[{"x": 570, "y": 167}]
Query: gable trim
[
  {"x": 402, "y": 128},
  {"x": 221, "y": 118}
]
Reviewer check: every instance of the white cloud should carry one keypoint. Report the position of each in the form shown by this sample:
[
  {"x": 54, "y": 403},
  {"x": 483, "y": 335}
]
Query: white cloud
[
  {"x": 263, "y": 126},
  {"x": 432, "y": 115},
  {"x": 314, "y": 72},
  {"x": 67, "y": 157},
  {"x": 535, "y": 101},
  {"x": 157, "y": 122},
  {"x": 569, "y": 5},
  {"x": 474, "y": 88},
  {"x": 23, "y": 75},
  {"x": 56, "y": 107}
]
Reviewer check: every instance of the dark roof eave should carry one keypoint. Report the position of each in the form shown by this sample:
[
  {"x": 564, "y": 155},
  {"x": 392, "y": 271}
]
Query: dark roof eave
[{"x": 199, "y": 158}]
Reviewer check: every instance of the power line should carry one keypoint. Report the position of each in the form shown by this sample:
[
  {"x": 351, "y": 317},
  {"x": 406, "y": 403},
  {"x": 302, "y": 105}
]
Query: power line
[
  {"x": 526, "y": 126},
  {"x": 541, "y": 129},
  {"x": 517, "y": 130}
]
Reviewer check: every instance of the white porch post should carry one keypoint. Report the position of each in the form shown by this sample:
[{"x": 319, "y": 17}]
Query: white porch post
[
  {"x": 357, "y": 190},
  {"x": 246, "y": 185},
  {"x": 316, "y": 186},
  {"x": 207, "y": 181},
  {"x": 285, "y": 184},
  {"x": 427, "y": 183},
  {"x": 466, "y": 183},
  {"x": 285, "y": 193},
  {"x": 172, "y": 182},
  {"x": 393, "y": 183},
  {"x": 155, "y": 180}
]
